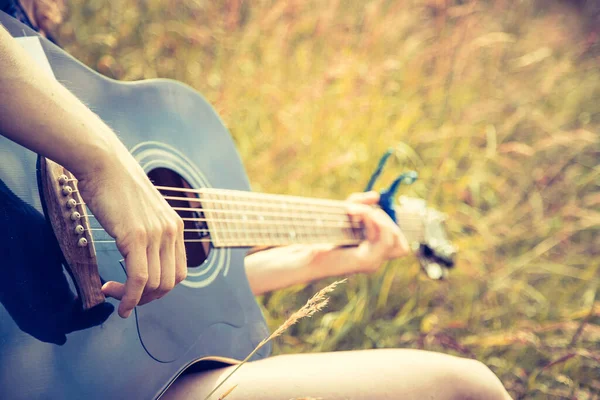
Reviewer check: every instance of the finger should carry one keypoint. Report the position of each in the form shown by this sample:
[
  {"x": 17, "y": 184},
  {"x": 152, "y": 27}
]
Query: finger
[
  {"x": 151, "y": 291},
  {"x": 397, "y": 241},
  {"x": 403, "y": 247},
  {"x": 136, "y": 264},
  {"x": 113, "y": 289},
  {"x": 180, "y": 260},
  {"x": 369, "y": 198},
  {"x": 357, "y": 210},
  {"x": 372, "y": 229},
  {"x": 385, "y": 226},
  {"x": 167, "y": 262}
]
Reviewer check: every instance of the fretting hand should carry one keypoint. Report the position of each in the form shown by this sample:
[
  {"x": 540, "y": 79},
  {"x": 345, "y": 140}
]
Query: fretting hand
[
  {"x": 281, "y": 267},
  {"x": 384, "y": 239}
]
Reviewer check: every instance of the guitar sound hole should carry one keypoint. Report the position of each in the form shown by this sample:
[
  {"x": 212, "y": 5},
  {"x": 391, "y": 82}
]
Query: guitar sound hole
[{"x": 197, "y": 243}]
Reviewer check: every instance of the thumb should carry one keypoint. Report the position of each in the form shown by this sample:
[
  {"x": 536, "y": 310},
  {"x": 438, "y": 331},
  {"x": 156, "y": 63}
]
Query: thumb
[{"x": 113, "y": 289}]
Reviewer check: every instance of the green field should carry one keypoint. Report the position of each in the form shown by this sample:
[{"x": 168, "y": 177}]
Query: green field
[{"x": 495, "y": 103}]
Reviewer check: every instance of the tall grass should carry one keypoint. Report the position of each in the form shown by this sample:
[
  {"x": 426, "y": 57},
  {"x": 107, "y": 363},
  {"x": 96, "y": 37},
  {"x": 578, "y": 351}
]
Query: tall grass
[{"x": 495, "y": 103}]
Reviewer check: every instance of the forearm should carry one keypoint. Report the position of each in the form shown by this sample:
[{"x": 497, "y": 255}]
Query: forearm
[
  {"x": 282, "y": 267},
  {"x": 285, "y": 266},
  {"x": 40, "y": 114}
]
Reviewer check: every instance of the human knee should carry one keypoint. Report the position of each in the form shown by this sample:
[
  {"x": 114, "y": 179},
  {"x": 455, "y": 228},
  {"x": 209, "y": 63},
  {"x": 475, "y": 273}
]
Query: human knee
[{"x": 473, "y": 380}]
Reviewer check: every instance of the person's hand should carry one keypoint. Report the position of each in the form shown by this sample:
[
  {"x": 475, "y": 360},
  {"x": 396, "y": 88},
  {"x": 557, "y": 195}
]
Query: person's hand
[
  {"x": 384, "y": 239},
  {"x": 147, "y": 231}
]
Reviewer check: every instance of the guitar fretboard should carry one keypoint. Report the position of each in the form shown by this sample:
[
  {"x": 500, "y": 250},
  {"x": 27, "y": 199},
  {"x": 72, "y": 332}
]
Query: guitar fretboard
[
  {"x": 246, "y": 219},
  {"x": 240, "y": 219}
]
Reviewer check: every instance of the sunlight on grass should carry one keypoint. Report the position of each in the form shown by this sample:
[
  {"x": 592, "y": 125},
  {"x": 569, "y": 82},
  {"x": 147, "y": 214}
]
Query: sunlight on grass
[{"x": 495, "y": 103}]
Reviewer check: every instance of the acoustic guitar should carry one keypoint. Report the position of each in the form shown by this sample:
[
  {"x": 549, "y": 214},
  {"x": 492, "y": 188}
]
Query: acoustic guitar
[{"x": 59, "y": 337}]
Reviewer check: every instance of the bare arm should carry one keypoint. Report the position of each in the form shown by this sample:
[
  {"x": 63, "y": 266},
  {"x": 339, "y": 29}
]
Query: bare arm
[
  {"x": 40, "y": 114},
  {"x": 281, "y": 267}
]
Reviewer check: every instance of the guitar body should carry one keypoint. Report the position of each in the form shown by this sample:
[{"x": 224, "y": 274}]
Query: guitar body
[{"x": 49, "y": 347}]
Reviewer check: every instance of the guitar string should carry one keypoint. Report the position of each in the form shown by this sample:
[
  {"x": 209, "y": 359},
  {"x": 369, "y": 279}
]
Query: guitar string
[
  {"x": 241, "y": 243},
  {"x": 312, "y": 237},
  {"x": 271, "y": 228},
  {"x": 261, "y": 231},
  {"x": 300, "y": 202},
  {"x": 287, "y": 223},
  {"x": 281, "y": 237},
  {"x": 285, "y": 216},
  {"x": 287, "y": 203},
  {"x": 257, "y": 196},
  {"x": 335, "y": 216},
  {"x": 338, "y": 210},
  {"x": 313, "y": 223},
  {"x": 265, "y": 210},
  {"x": 338, "y": 204}
]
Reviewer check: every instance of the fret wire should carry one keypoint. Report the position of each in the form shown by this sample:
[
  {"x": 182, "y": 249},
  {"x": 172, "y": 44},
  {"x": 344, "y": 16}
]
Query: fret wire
[
  {"x": 278, "y": 230},
  {"x": 247, "y": 234},
  {"x": 282, "y": 233},
  {"x": 212, "y": 225},
  {"x": 220, "y": 223}
]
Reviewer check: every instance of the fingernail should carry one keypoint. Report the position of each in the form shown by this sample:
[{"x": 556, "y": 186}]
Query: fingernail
[{"x": 127, "y": 314}]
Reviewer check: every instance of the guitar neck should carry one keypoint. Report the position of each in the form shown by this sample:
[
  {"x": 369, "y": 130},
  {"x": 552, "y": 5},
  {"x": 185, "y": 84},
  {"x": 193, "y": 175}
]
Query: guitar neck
[{"x": 248, "y": 219}]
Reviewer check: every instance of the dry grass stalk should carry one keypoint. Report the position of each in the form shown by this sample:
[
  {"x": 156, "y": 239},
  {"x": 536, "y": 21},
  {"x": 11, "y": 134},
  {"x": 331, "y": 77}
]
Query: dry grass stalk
[
  {"x": 312, "y": 306},
  {"x": 227, "y": 392}
]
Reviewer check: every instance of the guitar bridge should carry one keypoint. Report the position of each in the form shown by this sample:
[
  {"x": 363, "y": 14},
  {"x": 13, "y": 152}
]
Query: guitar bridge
[{"x": 66, "y": 213}]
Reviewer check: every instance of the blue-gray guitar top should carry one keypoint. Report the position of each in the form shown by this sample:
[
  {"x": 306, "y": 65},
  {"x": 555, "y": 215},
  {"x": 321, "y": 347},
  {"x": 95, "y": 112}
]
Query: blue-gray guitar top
[{"x": 49, "y": 347}]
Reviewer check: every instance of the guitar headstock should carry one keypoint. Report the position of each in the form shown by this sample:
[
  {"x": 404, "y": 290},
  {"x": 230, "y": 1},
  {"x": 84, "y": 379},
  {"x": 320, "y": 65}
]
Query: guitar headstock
[
  {"x": 433, "y": 249},
  {"x": 427, "y": 236}
]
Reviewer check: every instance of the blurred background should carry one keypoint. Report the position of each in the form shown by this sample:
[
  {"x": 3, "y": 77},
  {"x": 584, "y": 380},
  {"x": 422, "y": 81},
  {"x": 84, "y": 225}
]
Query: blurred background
[{"x": 495, "y": 103}]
